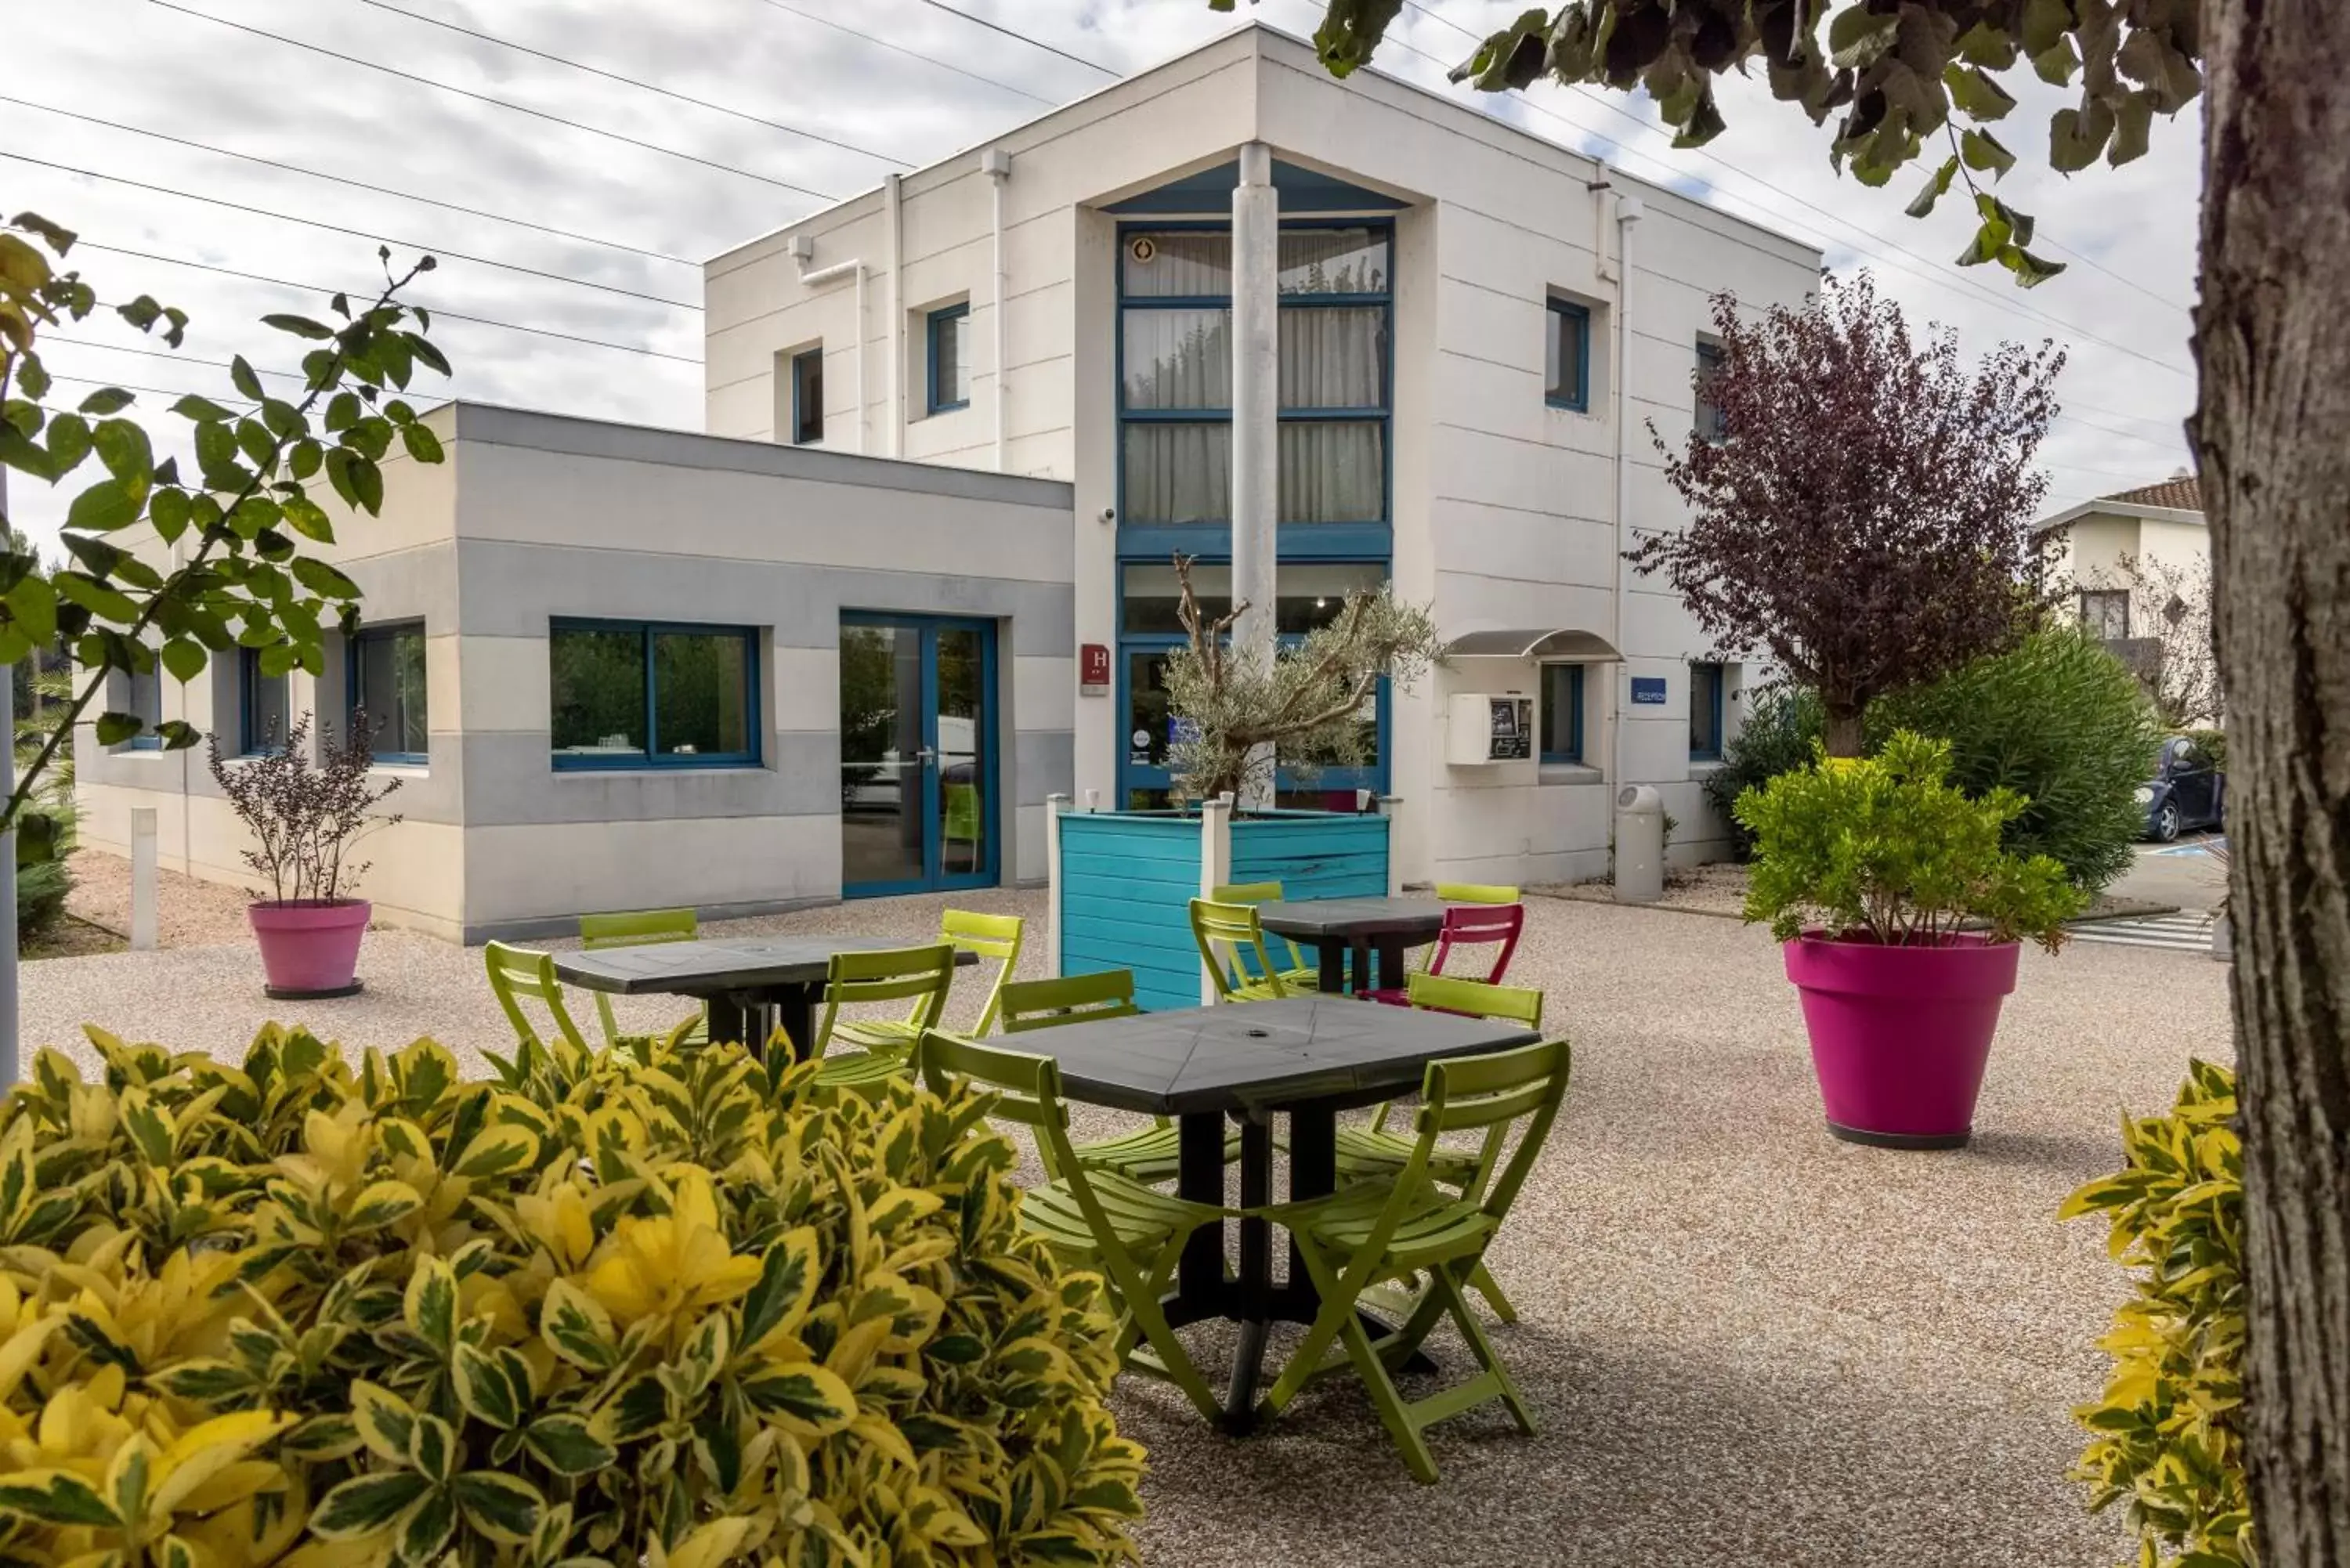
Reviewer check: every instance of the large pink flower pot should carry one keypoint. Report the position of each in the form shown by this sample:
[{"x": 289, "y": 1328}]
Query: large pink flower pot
[
  {"x": 310, "y": 950},
  {"x": 1899, "y": 1034}
]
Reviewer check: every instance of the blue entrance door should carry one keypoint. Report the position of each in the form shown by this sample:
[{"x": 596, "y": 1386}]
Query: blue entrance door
[{"x": 917, "y": 767}]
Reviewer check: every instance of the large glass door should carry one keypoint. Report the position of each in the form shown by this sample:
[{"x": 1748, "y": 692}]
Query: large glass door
[{"x": 918, "y": 796}]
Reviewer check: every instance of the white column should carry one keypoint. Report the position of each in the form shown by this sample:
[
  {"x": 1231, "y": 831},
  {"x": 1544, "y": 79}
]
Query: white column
[
  {"x": 1256, "y": 401},
  {"x": 142, "y": 878},
  {"x": 1055, "y": 806},
  {"x": 1391, "y": 807}
]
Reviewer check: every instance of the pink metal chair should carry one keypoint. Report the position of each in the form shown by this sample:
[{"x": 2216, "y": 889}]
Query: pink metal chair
[{"x": 1469, "y": 926}]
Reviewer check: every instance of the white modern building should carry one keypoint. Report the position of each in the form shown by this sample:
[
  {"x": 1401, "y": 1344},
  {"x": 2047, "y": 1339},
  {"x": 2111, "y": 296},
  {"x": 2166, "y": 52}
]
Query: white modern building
[
  {"x": 918, "y": 575},
  {"x": 2102, "y": 548},
  {"x": 1477, "y": 329}
]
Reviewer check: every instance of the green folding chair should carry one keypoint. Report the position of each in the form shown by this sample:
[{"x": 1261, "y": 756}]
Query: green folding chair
[
  {"x": 1475, "y": 893},
  {"x": 920, "y": 976},
  {"x": 640, "y": 927},
  {"x": 1131, "y": 1234},
  {"x": 521, "y": 974},
  {"x": 1150, "y": 1155},
  {"x": 1230, "y": 937},
  {"x": 994, "y": 937},
  {"x": 1407, "y": 1227},
  {"x": 1300, "y": 975}
]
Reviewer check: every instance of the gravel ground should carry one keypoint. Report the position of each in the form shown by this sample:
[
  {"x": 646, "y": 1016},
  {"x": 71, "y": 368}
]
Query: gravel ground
[
  {"x": 1745, "y": 1342},
  {"x": 189, "y": 913}
]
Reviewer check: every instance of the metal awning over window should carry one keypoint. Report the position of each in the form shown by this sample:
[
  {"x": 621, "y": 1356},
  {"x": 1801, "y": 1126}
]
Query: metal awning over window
[{"x": 1531, "y": 642}]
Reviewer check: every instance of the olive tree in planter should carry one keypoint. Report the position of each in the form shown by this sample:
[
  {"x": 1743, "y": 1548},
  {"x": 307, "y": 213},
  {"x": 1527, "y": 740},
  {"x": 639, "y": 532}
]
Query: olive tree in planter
[
  {"x": 304, "y": 818},
  {"x": 1902, "y": 918}
]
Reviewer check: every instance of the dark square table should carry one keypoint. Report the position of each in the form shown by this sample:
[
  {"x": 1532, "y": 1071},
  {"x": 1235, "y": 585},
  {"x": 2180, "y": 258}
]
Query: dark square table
[
  {"x": 742, "y": 980},
  {"x": 1307, "y": 1057},
  {"x": 1335, "y": 927}
]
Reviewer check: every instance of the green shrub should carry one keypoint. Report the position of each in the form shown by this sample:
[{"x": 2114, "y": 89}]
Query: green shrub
[
  {"x": 600, "y": 1315},
  {"x": 1887, "y": 845},
  {"x": 2062, "y": 722},
  {"x": 1780, "y": 736},
  {"x": 2167, "y": 1436},
  {"x": 44, "y": 837}
]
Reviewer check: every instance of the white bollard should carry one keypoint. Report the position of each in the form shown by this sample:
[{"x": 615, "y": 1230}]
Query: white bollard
[
  {"x": 1391, "y": 807},
  {"x": 1055, "y": 807},
  {"x": 142, "y": 878},
  {"x": 1215, "y": 867}
]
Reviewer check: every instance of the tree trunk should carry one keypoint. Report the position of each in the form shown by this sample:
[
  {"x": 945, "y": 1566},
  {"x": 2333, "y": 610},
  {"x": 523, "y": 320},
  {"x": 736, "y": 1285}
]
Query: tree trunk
[
  {"x": 2273, "y": 430},
  {"x": 1841, "y": 731}
]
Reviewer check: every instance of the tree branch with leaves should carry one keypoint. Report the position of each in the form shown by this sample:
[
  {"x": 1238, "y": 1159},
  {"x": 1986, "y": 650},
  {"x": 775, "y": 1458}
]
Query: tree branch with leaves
[{"x": 245, "y": 582}]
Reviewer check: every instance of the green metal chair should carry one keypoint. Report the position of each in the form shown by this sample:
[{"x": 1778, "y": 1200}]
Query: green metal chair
[
  {"x": 1366, "y": 1153},
  {"x": 1229, "y": 936},
  {"x": 1476, "y": 893},
  {"x": 639, "y": 928},
  {"x": 1150, "y": 1155},
  {"x": 1300, "y": 975},
  {"x": 1091, "y": 1219},
  {"x": 522, "y": 974},
  {"x": 994, "y": 937},
  {"x": 918, "y": 975},
  {"x": 1407, "y": 1227}
]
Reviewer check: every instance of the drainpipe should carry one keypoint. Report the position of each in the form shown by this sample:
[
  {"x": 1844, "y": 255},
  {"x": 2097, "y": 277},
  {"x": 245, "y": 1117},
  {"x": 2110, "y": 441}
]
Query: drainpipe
[
  {"x": 1629, "y": 212},
  {"x": 803, "y": 252},
  {"x": 894, "y": 212},
  {"x": 996, "y": 164}
]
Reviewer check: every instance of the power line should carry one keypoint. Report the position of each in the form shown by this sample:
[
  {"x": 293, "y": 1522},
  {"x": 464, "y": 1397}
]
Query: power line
[
  {"x": 176, "y": 358},
  {"x": 152, "y": 392},
  {"x": 345, "y": 179},
  {"x": 2173, "y": 444},
  {"x": 1936, "y": 276},
  {"x": 1035, "y": 43},
  {"x": 913, "y": 53},
  {"x": 493, "y": 102},
  {"x": 319, "y": 288},
  {"x": 632, "y": 81},
  {"x": 354, "y": 233}
]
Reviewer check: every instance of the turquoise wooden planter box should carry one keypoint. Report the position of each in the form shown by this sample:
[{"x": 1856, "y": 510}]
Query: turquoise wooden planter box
[{"x": 1126, "y": 880}]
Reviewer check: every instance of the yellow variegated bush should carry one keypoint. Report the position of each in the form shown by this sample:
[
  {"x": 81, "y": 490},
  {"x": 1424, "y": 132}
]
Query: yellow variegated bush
[
  {"x": 2169, "y": 1432},
  {"x": 679, "y": 1311}
]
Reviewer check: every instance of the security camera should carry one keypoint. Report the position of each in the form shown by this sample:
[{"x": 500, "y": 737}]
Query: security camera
[{"x": 1109, "y": 515}]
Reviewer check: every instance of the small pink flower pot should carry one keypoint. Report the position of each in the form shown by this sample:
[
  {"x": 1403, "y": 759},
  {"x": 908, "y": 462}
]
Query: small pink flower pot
[
  {"x": 311, "y": 948},
  {"x": 1901, "y": 1035}
]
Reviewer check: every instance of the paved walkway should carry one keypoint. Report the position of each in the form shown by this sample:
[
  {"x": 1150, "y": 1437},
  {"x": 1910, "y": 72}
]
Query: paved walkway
[{"x": 1746, "y": 1342}]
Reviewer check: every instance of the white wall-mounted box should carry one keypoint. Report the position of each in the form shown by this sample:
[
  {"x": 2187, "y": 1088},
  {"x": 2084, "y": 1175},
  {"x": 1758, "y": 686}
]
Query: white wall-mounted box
[{"x": 1487, "y": 727}]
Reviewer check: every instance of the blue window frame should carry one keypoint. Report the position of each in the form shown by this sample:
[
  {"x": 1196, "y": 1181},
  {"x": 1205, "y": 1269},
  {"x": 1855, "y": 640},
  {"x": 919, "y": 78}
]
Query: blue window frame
[
  {"x": 949, "y": 332},
  {"x": 384, "y": 674},
  {"x": 265, "y": 712},
  {"x": 652, "y": 694},
  {"x": 1706, "y": 685},
  {"x": 808, "y": 396},
  {"x": 1562, "y": 713},
  {"x": 1566, "y": 369},
  {"x": 1707, "y": 420}
]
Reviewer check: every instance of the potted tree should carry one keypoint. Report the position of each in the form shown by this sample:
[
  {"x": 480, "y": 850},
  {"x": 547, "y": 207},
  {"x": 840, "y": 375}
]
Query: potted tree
[
  {"x": 1900, "y": 918},
  {"x": 304, "y": 818}
]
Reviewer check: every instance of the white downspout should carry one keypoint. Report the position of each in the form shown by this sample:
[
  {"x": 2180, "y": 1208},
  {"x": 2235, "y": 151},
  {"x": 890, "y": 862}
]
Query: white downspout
[
  {"x": 817, "y": 279},
  {"x": 1629, "y": 212},
  {"x": 892, "y": 208},
  {"x": 996, "y": 164}
]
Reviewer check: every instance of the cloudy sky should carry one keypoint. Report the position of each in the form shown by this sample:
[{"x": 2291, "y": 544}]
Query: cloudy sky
[{"x": 574, "y": 246}]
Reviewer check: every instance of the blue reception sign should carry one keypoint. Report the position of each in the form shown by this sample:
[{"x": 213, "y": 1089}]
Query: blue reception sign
[{"x": 1649, "y": 688}]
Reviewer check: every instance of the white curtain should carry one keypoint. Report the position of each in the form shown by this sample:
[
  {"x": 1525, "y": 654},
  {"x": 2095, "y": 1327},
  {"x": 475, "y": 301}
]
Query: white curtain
[
  {"x": 1179, "y": 358},
  {"x": 1333, "y": 357},
  {"x": 1180, "y": 264},
  {"x": 1178, "y": 474},
  {"x": 1333, "y": 261},
  {"x": 1332, "y": 471}
]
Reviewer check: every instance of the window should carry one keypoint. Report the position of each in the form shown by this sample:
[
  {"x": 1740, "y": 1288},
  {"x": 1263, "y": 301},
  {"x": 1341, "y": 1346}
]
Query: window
[
  {"x": 949, "y": 358},
  {"x": 1307, "y": 595},
  {"x": 264, "y": 713},
  {"x": 142, "y": 693},
  {"x": 1566, "y": 374},
  {"x": 629, "y": 694},
  {"x": 1708, "y": 421},
  {"x": 807, "y": 396},
  {"x": 386, "y": 681},
  {"x": 2106, "y": 612},
  {"x": 1705, "y": 712},
  {"x": 1562, "y": 713}
]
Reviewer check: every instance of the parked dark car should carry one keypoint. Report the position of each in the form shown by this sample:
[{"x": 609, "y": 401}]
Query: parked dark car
[{"x": 2186, "y": 790}]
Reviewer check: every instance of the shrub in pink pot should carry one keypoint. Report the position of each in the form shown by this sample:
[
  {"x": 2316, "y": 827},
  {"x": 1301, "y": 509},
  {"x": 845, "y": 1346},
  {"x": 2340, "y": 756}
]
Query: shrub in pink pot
[
  {"x": 1900, "y": 916},
  {"x": 305, "y": 816}
]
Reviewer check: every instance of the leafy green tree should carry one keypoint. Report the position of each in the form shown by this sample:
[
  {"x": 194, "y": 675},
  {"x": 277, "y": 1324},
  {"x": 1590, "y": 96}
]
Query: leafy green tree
[
  {"x": 240, "y": 578},
  {"x": 2272, "y": 344}
]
